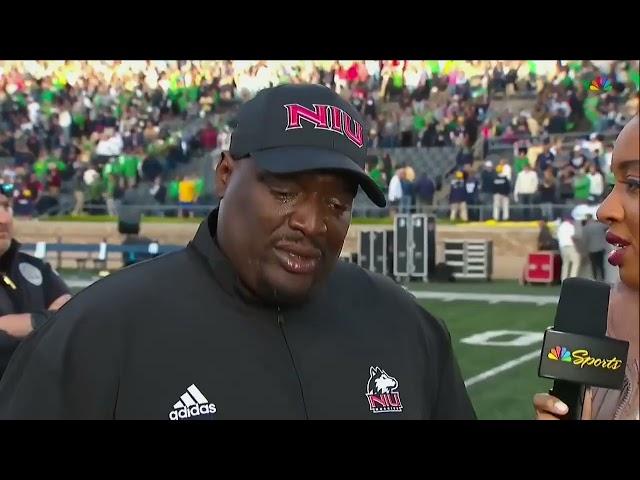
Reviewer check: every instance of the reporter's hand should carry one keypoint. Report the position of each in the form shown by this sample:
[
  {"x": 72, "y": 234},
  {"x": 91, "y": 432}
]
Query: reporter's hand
[{"x": 548, "y": 407}]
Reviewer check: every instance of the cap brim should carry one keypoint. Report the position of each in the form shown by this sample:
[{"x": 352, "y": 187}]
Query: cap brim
[{"x": 296, "y": 159}]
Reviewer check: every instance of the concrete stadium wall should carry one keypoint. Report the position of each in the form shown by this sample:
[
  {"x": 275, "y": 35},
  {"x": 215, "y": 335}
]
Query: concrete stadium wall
[{"x": 510, "y": 244}]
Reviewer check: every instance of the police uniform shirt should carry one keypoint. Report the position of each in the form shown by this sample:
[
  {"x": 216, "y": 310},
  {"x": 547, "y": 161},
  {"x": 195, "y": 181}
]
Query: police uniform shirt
[
  {"x": 27, "y": 285},
  {"x": 176, "y": 338}
]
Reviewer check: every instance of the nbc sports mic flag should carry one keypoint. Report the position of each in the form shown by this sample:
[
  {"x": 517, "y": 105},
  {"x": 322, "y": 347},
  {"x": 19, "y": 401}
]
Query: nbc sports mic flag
[{"x": 594, "y": 361}]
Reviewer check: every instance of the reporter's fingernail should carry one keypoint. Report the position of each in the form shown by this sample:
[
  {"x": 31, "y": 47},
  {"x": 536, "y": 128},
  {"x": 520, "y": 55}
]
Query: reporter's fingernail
[{"x": 561, "y": 407}]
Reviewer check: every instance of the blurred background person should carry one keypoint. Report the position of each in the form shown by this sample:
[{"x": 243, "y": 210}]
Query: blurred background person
[
  {"x": 594, "y": 239},
  {"x": 568, "y": 250}
]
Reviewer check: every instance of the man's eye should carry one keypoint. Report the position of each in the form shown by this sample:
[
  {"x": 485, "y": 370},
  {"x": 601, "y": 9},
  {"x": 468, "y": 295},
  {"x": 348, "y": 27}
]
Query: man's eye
[
  {"x": 283, "y": 195},
  {"x": 337, "y": 206}
]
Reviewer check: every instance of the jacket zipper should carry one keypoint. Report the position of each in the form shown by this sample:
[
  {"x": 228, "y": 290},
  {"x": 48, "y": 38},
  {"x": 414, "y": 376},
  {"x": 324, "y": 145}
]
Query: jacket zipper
[{"x": 286, "y": 342}]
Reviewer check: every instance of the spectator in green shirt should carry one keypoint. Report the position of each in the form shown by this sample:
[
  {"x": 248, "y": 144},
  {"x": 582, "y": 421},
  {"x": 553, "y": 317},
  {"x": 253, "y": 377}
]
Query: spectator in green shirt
[
  {"x": 112, "y": 167},
  {"x": 581, "y": 186},
  {"x": 199, "y": 181},
  {"x": 373, "y": 167},
  {"x": 41, "y": 166},
  {"x": 173, "y": 190},
  {"x": 520, "y": 160},
  {"x": 55, "y": 160},
  {"x": 111, "y": 187},
  {"x": 129, "y": 163}
]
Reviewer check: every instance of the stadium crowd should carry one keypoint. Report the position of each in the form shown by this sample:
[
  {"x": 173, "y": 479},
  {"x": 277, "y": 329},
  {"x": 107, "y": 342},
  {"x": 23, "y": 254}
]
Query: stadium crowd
[{"x": 106, "y": 132}]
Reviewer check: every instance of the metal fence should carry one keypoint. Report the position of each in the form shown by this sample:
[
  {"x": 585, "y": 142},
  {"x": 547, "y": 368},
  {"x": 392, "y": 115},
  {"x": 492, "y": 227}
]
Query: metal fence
[{"x": 477, "y": 212}]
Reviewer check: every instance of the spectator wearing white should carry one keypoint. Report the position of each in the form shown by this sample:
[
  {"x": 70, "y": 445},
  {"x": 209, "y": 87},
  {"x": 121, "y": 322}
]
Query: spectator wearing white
[
  {"x": 110, "y": 145},
  {"x": 65, "y": 123},
  {"x": 34, "y": 111},
  {"x": 395, "y": 190},
  {"x": 557, "y": 147},
  {"x": 532, "y": 123},
  {"x": 606, "y": 159},
  {"x": 568, "y": 250},
  {"x": 224, "y": 138},
  {"x": 525, "y": 188},
  {"x": 596, "y": 184},
  {"x": 505, "y": 169},
  {"x": 594, "y": 143}
]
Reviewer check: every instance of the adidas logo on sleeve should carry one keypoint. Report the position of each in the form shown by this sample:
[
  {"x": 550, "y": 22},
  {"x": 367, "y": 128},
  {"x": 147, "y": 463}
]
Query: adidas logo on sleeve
[{"x": 192, "y": 404}]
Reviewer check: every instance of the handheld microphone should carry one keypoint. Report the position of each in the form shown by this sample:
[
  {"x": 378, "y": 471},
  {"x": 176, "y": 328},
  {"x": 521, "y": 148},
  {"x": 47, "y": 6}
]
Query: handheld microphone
[{"x": 576, "y": 352}]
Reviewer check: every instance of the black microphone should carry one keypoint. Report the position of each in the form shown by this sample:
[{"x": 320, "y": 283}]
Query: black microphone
[{"x": 576, "y": 352}]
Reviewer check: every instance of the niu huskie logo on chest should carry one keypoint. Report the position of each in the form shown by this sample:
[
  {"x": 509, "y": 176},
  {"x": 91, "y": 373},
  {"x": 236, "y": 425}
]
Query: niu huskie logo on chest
[{"x": 382, "y": 392}]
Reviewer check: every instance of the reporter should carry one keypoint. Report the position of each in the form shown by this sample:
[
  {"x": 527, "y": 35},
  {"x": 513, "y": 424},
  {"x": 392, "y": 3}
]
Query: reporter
[{"x": 621, "y": 212}]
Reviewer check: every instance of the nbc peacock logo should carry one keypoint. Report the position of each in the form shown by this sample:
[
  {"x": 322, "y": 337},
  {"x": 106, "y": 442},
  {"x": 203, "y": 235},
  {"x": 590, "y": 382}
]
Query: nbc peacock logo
[
  {"x": 600, "y": 84},
  {"x": 559, "y": 353}
]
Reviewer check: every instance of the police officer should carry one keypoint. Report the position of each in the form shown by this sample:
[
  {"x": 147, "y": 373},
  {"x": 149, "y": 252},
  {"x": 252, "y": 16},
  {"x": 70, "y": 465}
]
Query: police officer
[
  {"x": 29, "y": 289},
  {"x": 256, "y": 317}
]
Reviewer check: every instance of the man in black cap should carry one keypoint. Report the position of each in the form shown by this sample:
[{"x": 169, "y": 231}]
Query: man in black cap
[{"x": 255, "y": 318}]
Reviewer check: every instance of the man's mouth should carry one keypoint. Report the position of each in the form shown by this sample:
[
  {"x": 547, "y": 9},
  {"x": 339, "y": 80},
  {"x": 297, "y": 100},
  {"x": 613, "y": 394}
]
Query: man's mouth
[{"x": 298, "y": 259}]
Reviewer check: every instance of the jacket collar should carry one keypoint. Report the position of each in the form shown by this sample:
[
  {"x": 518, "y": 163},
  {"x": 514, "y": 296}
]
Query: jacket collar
[{"x": 204, "y": 242}]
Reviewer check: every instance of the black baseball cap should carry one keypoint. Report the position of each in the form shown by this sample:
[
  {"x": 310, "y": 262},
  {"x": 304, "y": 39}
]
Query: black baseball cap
[{"x": 299, "y": 128}]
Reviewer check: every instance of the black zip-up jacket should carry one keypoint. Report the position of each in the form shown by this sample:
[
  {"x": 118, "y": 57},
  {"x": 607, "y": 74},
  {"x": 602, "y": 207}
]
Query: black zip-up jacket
[{"x": 175, "y": 338}]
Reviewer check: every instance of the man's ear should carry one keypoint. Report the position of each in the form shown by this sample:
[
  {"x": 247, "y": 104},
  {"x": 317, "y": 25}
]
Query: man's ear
[{"x": 224, "y": 169}]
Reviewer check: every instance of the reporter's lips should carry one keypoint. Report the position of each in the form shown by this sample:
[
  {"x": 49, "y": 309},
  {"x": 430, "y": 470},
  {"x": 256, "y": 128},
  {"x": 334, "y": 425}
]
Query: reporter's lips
[
  {"x": 298, "y": 259},
  {"x": 616, "y": 257}
]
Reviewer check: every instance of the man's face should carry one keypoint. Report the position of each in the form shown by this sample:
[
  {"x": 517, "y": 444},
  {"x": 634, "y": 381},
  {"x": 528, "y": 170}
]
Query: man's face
[
  {"x": 282, "y": 233},
  {"x": 6, "y": 224}
]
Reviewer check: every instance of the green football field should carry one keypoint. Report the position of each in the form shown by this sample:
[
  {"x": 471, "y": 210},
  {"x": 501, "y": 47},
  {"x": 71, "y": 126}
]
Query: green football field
[
  {"x": 510, "y": 376},
  {"x": 500, "y": 363}
]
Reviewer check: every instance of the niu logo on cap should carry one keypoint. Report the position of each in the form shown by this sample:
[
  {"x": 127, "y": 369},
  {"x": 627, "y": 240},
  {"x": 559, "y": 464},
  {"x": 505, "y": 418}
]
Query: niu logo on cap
[
  {"x": 325, "y": 117},
  {"x": 381, "y": 392}
]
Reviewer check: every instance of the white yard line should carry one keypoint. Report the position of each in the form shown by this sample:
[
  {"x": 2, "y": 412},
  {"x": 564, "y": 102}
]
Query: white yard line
[
  {"x": 502, "y": 368},
  {"x": 487, "y": 297}
]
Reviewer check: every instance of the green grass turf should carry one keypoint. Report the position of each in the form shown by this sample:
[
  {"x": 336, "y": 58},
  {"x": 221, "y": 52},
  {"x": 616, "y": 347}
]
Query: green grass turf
[
  {"x": 508, "y": 394},
  {"x": 496, "y": 287}
]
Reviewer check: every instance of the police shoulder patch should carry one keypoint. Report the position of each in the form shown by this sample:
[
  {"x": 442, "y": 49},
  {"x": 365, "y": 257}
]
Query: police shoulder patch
[{"x": 32, "y": 274}]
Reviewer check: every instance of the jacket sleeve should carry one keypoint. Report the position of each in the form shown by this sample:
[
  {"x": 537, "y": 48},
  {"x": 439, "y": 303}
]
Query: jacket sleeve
[
  {"x": 54, "y": 286},
  {"x": 68, "y": 369}
]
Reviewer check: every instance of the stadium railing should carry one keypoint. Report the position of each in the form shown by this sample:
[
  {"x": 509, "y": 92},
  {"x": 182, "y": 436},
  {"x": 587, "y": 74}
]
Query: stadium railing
[
  {"x": 97, "y": 252},
  {"x": 478, "y": 212},
  {"x": 362, "y": 207}
]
